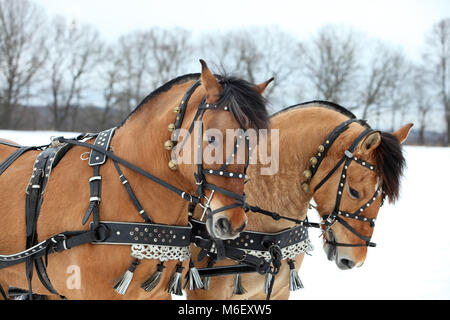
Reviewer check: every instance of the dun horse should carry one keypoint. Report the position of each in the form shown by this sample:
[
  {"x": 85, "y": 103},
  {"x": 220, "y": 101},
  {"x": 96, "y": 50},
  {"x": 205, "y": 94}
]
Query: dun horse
[
  {"x": 89, "y": 271},
  {"x": 315, "y": 163}
]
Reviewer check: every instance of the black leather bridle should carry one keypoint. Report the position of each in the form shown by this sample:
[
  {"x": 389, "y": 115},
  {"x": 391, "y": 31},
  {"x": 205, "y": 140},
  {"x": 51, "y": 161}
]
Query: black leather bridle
[
  {"x": 338, "y": 215},
  {"x": 99, "y": 231},
  {"x": 200, "y": 176}
]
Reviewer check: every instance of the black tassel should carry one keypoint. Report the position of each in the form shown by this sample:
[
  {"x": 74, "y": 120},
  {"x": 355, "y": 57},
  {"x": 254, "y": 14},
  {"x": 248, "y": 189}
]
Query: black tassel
[
  {"x": 206, "y": 280},
  {"x": 238, "y": 288},
  {"x": 193, "y": 277},
  {"x": 294, "y": 280},
  {"x": 150, "y": 284},
  {"x": 174, "y": 285},
  {"x": 124, "y": 281}
]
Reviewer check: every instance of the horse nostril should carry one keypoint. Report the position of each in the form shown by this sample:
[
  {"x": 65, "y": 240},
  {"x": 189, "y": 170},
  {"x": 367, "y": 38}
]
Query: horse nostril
[
  {"x": 348, "y": 264},
  {"x": 223, "y": 225}
]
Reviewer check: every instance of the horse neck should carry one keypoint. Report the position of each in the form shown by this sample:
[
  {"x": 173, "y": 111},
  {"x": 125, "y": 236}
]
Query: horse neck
[
  {"x": 141, "y": 141},
  {"x": 282, "y": 191}
]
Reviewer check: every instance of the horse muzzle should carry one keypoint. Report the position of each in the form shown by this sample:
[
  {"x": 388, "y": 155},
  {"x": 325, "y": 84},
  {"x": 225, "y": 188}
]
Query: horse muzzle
[{"x": 220, "y": 227}]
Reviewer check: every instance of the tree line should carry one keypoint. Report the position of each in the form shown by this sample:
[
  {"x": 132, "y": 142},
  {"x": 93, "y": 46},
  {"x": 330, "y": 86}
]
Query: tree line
[{"x": 62, "y": 75}]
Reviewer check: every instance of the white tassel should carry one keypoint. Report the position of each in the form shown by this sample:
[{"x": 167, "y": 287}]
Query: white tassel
[
  {"x": 174, "y": 286},
  {"x": 238, "y": 288},
  {"x": 206, "y": 280},
  {"x": 267, "y": 282},
  {"x": 294, "y": 280},
  {"x": 124, "y": 281},
  {"x": 194, "y": 277},
  {"x": 150, "y": 284}
]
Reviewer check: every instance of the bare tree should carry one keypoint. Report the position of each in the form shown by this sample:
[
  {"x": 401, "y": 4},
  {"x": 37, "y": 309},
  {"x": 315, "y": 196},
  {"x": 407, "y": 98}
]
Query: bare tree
[
  {"x": 169, "y": 53},
  {"x": 437, "y": 57},
  {"x": 383, "y": 86},
  {"x": 422, "y": 101},
  {"x": 255, "y": 54},
  {"x": 331, "y": 62},
  {"x": 149, "y": 59},
  {"x": 109, "y": 78},
  {"x": 22, "y": 54},
  {"x": 75, "y": 52}
]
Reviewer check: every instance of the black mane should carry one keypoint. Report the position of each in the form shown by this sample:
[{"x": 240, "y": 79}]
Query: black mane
[
  {"x": 321, "y": 103},
  {"x": 246, "y": 104},
  {"x": 164, "y": 88},
  {"x": 390, "y": 162}
]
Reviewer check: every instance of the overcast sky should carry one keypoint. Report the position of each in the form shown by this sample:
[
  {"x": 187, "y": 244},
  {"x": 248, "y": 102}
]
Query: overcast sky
[{"x": 401, "y": 22}]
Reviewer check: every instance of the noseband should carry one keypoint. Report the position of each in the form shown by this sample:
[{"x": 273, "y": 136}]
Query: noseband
[{"x": 348, "y": 158}]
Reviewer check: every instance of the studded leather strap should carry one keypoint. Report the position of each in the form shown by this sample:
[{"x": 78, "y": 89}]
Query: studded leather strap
[{"x": 103, "y": 141}]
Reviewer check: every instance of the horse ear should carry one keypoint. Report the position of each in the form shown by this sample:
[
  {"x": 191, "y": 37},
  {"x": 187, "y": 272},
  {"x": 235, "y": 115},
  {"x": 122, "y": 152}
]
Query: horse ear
[
  {"x": 371, "y": 142},
  {"x": 402, "y": 133},
  {"x": 262, "y": 86},
  {"x": 210, "y": 83}
]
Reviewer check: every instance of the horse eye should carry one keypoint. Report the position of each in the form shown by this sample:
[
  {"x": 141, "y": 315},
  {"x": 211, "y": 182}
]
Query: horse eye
[
  {"x": 211, "y": 139},
  {"x": 354, "y": 193}
]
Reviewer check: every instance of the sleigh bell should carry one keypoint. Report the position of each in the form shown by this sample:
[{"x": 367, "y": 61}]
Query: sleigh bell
[
  {"x": 173, "y": 165},
  {"x": 168, "y": 145},
  {"x": 305, "y": 188},
  {"x": 307, "y": 174},
  {"x": 171, "y": 127}
]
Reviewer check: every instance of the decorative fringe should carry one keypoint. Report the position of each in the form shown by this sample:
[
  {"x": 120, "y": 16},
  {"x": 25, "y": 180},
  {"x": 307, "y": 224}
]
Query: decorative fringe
[
  {"x": 150, "y": 284},
  {"x": 193, "y": 277},
  {"x": 174, "y": 286},
  {"x": 238, "y": 288},
  {"x": 124, "y": 281},
  {"x": 267, "y": 282},
  {"x": 206, "y": 280},
  {"x": 294, "y": 280}
]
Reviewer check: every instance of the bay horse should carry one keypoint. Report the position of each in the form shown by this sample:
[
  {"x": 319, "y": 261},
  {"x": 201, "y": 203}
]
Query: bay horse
[
  {"x": 88, "y": 271},
  {"x": 304, "y": 131}
]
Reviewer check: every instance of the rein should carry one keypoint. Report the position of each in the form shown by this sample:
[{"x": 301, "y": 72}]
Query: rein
[
  {"x": 147, "y": 240},
  {"x": 337, "y": 216}
]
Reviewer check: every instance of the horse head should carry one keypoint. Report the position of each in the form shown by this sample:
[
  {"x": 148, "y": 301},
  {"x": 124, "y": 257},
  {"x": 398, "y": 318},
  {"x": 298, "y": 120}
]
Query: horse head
[
  {"x": 224, "y": 104},
  {"x": 361, "y": 169}
]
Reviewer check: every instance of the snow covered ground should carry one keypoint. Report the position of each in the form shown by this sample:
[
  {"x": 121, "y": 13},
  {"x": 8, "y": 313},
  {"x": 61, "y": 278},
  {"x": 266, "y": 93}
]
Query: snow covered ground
[{"x": 412, "y": 257}]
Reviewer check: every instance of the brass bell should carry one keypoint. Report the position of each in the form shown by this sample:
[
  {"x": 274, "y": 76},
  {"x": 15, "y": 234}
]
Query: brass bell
[
  {"x": 313, "y": 161},
  {"x": 172, "y": 165},
  {"x": 307, "y": 174},
  {"x": 171, "y": 127},
  {"x": 321, "y": 148},
  {"x": 168, "y": 145},
  {"x": 305, "y": 188},
  {"x": 177, "y": 110}
]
